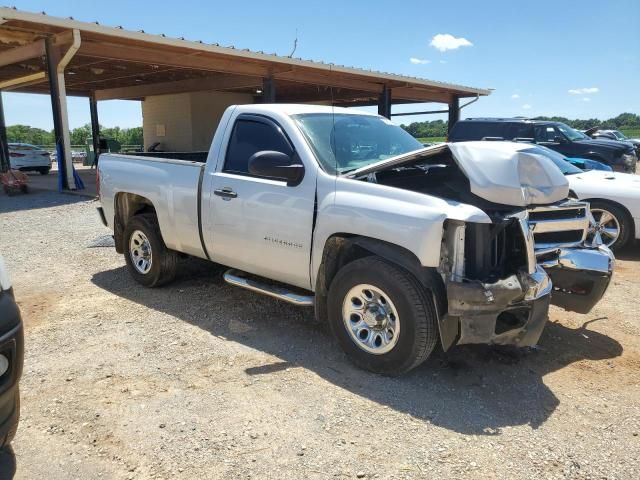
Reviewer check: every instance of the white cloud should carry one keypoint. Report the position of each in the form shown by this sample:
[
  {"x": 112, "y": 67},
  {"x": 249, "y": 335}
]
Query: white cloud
[
  {"x": 443, "y": 61},
  {"x": 446, "y": 41},
  {"x": 419, "y": 61},
  {"x": 515, "y": 95},
  {"x": 582, "y": 91},
  {"x": 526, "y": 106},
  {"x": 586, "y": 99}
]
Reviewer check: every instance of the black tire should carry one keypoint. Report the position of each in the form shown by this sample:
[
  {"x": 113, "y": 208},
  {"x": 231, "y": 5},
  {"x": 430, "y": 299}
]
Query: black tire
[
  {"x": 163, "y": 261},
  {"x": 44, "y": 171},
  {"x": 415, "y": 307},
  {"x": 623, "y": 218}
]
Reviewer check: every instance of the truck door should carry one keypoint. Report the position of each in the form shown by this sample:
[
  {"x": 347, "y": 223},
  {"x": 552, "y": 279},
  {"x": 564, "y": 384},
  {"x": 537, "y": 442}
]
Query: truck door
[{"x": 261, "y": 225}]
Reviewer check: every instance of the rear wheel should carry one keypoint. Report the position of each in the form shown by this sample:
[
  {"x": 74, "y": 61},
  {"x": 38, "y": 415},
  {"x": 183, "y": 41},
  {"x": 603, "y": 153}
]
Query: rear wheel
[
  {"x": 149, "y": 260},
  {"x": 612, "y": 222},
  {"x": 383, "y": 318}
]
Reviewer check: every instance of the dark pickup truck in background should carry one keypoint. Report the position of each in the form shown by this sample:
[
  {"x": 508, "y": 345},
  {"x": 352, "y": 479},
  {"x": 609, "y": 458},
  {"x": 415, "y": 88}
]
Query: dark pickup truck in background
[{"x": 621, "y": 156}]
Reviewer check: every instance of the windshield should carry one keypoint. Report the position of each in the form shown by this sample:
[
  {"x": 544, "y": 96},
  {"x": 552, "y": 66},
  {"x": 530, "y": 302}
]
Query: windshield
[
  {"x": 344, "y": 142},
  {"x": 560, "y": 161},
  {"x": 570, "y": 133}
]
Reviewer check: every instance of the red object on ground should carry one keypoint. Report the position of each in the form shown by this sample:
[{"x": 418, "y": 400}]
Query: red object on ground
[{"x": 14, "y": 181}]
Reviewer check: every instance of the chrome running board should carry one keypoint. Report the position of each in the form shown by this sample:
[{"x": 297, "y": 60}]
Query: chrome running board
[{"x": 238, "y": 278}]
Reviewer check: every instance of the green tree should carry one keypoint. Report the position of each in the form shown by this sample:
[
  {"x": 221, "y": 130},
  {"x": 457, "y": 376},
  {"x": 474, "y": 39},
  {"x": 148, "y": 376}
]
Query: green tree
[
  {"x": 80, "y": 135},
  {"x": 26, "y": 134}
]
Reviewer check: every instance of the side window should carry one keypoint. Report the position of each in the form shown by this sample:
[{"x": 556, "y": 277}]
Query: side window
[
  {"x": 518, "y": 130},
  {"x": 249, "y": 137},
  {"x": 545, "y": 133}
]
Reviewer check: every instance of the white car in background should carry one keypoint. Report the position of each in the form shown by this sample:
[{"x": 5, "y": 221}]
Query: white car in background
[
  {"x": 26, "y": 157},
  {"x": 614, "y": 198}
]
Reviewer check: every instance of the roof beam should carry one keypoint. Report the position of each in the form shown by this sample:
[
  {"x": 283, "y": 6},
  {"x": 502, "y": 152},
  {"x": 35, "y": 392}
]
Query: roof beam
[
  {"x": 23, "y": 81},
  {"x": 221, "y": 82},
  {"x": 8, "y": 35},
  {"x": 21, "y": 54}
]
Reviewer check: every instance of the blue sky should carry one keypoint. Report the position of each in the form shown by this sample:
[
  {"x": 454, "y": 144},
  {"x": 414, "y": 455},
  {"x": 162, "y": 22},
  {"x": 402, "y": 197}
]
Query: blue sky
[{"x": 578, "y": 59}]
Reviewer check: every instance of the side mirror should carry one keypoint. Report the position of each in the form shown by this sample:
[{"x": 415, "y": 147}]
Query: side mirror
[
  {"x": 559, "y": 139},
  {"x": 276, "y": 165}
]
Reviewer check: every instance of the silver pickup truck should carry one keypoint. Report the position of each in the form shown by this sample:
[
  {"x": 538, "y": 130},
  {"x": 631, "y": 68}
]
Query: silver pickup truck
[{"x": 398, "y": 247}]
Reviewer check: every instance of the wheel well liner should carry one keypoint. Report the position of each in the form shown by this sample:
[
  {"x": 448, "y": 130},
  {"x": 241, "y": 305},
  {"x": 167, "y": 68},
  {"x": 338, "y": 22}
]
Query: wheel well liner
[{"x": 126, "y": 206}]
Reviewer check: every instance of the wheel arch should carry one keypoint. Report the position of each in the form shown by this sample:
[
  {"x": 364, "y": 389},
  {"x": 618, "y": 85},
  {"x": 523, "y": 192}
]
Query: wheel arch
[
  {"x": 126, "y": 205},
  {"x": 342, "y": 248}
]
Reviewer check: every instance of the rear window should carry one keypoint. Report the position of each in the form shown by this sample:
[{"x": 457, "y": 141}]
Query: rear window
[{"x": 464, "y": 131}]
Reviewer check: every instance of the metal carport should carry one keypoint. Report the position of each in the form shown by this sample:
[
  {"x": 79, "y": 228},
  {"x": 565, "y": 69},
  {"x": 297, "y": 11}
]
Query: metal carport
[{"x": 60, "y": 57}]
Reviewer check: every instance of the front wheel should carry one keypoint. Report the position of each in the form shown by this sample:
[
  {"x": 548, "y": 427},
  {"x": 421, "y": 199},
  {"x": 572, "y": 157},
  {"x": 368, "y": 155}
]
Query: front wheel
[
  {"x": 612, "y": 222},
  {"x": 149, "y": 260},
  {"x": 383, "y": 318}
]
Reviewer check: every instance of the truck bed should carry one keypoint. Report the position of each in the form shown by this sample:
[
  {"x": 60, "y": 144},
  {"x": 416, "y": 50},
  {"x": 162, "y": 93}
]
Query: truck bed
[{"x": 170, "y": 184}]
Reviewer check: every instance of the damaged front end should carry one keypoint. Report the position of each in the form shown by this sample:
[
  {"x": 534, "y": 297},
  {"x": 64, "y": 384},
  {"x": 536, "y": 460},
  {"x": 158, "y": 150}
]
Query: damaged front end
[
  {"x": 533, "y": 248},
  {"x": 580, "y": 266},
  {"x": 501, "y": 277},
  {"x": 496, "y": 292}
]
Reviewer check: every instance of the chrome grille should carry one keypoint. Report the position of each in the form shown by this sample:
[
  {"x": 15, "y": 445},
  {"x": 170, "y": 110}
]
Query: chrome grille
[{"x": 559, "y": 225}]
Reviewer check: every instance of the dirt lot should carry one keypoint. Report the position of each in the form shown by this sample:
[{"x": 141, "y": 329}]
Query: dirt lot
[{"x": 202, "y": 380}]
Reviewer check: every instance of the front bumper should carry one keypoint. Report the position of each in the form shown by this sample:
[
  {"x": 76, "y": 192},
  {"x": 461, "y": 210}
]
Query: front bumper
[
  {"x": 580, "y": 276},
  {"x": 512, "y": 311},
  {"x": 561, "y": 267}
]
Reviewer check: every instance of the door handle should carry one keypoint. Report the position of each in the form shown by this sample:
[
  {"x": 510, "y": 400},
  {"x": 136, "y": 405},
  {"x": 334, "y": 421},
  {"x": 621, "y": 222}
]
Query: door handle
[{"x": 225, "y": 192}]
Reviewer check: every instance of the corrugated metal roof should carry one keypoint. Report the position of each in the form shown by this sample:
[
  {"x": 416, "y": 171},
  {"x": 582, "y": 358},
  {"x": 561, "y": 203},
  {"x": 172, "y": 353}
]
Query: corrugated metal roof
[{"x": 12, "y": 13}]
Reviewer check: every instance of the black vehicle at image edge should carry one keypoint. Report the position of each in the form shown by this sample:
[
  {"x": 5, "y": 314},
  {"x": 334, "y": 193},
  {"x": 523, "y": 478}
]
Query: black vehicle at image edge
[
  {"x": 620, "y": 156},
  {"x": 11, "y": 359}
]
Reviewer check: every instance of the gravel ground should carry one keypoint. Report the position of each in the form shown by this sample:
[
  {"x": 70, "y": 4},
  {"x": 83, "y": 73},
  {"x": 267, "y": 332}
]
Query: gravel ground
[{"x": 202, "y": 380}]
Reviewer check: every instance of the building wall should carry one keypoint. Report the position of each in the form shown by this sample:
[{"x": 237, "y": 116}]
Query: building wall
[
  {"x": 169, "y": 115},
  {"x": 186, "y": 121},
  {"x": 206, "y": 110}
]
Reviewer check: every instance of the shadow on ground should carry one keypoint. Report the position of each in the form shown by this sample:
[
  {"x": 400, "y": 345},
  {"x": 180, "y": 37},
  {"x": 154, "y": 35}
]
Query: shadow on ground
[
  {"x": 471, "y": 389},
  {"x": 36, "y": 199},
  {"x": 7, "y": 463}
]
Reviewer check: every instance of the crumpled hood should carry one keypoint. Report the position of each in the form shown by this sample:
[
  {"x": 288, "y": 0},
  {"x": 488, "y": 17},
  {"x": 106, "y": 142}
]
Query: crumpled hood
[
  {"x": 507, "y": 173},
  {"x": 501, "y": 172}
]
